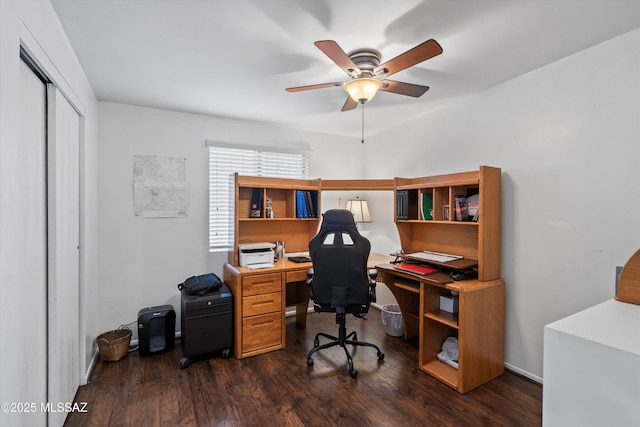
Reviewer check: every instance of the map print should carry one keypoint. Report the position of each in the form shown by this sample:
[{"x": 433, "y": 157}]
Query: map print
[{"x": 159, "y": 186}]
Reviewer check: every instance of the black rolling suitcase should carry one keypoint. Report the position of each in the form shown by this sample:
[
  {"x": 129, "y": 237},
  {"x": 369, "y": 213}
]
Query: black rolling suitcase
[{"x": 207, "y": 324}]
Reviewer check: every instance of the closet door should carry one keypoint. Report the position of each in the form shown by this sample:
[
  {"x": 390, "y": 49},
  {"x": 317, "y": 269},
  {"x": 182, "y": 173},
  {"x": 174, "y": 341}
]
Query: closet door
[
  {"x": 23, "y": 371},
  {"x": 64, "y": 240}
]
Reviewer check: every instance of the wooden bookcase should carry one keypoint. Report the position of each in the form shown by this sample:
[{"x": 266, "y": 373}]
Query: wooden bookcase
[
  {"x": 479, "y": 324},
  {"x": 285, "y": 226},
  {"x": 479, "y": 240}
]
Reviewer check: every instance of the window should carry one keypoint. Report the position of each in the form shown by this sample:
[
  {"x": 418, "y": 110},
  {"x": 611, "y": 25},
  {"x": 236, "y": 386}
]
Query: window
[{"x": 224, "y": 160}]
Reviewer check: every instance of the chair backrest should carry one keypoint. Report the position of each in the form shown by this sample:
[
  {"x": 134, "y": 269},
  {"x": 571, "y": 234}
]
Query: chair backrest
[{"x": 339, "y": 254}]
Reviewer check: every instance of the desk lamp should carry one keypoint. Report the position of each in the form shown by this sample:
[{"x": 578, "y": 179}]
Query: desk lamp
[{"x": 360, "y": 210}]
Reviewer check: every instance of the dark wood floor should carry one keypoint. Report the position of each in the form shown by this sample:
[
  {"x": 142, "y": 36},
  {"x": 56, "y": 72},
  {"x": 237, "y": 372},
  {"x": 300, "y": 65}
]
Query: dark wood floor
[{"x": 279, "y": 389}]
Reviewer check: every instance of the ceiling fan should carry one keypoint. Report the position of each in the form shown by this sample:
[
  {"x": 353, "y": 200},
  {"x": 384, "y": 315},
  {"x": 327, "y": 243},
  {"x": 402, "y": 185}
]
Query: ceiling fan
[{"x": 368, "y": 76}]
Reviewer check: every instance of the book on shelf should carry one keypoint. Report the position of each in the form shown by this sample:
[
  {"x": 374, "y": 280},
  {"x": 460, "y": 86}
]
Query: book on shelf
[
  {"x": 473, "y": 206},
  {"x": 426, "y": 206},
  {"x": 255, "y": 210},
  {"x": 406, "y": 204},
  {"x": 306, "y": 204},
  {"x": 301, "y": 205},
  {"x": 460, "y": 208},
  {"x": 310, "y": 205}
]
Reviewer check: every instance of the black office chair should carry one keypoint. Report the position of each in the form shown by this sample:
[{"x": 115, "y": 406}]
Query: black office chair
[{"x": 339, "y": 279}]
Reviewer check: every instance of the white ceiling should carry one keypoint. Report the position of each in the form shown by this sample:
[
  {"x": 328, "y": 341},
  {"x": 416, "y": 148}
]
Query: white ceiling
[{"x": 234, "y": 58}]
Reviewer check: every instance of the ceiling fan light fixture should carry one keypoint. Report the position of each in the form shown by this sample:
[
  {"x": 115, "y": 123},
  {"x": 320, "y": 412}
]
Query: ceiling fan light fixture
[{"x": 362, "y": 89}]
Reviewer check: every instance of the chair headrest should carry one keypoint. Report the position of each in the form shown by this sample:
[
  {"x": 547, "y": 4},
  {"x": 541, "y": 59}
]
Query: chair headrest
[{"x": 338, "y": 219}]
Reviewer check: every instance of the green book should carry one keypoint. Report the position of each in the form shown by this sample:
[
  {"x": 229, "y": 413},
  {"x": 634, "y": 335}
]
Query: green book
[{"x": 427, "y": 206}]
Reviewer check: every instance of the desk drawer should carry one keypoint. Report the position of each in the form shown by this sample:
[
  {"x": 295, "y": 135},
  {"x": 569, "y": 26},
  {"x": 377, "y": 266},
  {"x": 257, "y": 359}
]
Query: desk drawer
[
  {"x": 261, "y": 304},
  {"x": 260, "y": 332},
  {"x": 262, "y": 284},
  {"x": 296, "y": 276}
]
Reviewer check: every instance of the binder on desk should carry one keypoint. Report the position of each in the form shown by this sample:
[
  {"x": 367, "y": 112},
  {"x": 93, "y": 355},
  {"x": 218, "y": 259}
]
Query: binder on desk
[{"x": 416, "y": 268}]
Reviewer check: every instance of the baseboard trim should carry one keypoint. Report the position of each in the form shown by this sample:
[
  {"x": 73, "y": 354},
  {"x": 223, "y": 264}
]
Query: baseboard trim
[
  {"x": 523, "y": 373},
  {"x": 92, "y": 364}
]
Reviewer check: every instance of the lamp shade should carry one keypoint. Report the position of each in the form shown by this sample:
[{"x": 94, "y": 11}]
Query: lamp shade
[
  {"x": 362, "y": 89},
  {"x": 360, "y": 210}
]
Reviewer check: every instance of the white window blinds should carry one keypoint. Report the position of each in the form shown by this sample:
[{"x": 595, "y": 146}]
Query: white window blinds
[{"x": 224, "y": 160}]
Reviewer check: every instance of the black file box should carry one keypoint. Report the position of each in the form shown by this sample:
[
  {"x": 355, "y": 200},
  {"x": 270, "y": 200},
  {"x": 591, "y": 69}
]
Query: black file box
[{"x": 207, "y": 323}]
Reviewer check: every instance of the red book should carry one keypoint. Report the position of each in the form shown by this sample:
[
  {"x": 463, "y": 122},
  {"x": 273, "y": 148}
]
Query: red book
[{"x": 416, "y": 268}]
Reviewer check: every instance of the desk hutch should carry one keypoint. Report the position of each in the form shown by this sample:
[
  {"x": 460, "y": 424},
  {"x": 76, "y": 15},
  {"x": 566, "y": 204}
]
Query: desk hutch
[{"x": 261, "y": 296}]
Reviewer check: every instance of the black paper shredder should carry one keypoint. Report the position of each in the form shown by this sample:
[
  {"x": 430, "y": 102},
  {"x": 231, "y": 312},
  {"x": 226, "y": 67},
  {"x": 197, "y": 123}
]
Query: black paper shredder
[
  {"x": 207, "y": 324},
  {"x": 156, "y": 329}
]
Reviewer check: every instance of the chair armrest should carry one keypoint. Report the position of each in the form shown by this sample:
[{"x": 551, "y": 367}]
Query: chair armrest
[
  {"x": 373, "y": 275},
  {"x": 309, "y": 282}
]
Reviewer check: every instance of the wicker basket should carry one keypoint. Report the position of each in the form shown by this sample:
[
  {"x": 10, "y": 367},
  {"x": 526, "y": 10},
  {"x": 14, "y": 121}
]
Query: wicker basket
[{"x": 114, "y": 345}]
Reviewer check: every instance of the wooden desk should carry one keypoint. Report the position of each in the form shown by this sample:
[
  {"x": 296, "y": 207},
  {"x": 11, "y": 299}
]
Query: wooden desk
[
  {"x": 479, "y": 325},
  {"x": 260, "y": 300}
]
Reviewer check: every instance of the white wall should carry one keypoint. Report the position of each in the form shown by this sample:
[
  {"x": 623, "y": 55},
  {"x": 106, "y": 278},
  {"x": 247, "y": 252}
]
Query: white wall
[
  {"x": 141, "y": 260},
  {"x": 35, "y": 25},
  {"x": 566, "y": 138}
]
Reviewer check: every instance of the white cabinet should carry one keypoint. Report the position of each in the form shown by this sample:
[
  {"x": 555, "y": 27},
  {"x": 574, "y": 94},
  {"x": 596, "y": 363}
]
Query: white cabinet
[{"x": 592, "y": 367}]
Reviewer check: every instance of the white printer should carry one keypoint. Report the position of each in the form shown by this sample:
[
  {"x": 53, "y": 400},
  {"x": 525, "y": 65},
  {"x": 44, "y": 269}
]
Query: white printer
[{"x": 256, "y": 254}]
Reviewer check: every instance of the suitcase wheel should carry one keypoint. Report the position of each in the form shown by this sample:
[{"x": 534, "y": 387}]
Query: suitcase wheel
[{"x": 185, "y": 362}]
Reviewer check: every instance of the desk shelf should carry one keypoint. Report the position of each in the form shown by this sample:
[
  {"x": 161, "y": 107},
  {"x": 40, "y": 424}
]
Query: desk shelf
[
  {"x": 452, "y": 223},
  {"x": 479, "y": 240},
  {"x": 408, "y": 286},
  {"x": 440, "y": 370},
  {"x": 448, "y": 319},
  {"x": 286, "y": 225}
]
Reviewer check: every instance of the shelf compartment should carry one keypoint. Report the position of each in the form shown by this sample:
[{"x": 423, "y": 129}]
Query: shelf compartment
[
  {"x": 457, "y": 238},
  {"x": 444, "y": 317},
  {"x": 282, "y": 202},
  {"x": 244, "y": 202},
  {"x": 408, "y": 286},
  {"x": 453, "y": 223},
  {"x": 406, "y": 205},
  {"x": 440, "y": 370},
  {"x": 407, "y": 294},
  {"x": 296, "y": 233}
]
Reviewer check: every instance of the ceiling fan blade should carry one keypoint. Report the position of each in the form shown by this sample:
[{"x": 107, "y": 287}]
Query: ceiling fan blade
[
  {"x": 349, "y": 104},
  {"x": 310, "y": 87},
  {"x": 420, "y": 53},
  {"x": 337, "y": 55},
  {"x": 402, "y": 88}
]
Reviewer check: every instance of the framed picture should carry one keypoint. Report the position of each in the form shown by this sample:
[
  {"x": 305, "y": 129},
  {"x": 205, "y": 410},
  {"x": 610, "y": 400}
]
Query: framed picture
[{"x": 445, "y": 212}]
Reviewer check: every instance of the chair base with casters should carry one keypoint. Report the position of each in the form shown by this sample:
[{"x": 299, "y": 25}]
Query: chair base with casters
[{"x": 342, "y": 340}]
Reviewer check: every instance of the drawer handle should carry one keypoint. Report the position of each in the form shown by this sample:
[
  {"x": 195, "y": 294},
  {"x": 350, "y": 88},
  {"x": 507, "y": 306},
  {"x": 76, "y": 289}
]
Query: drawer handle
[
  {"x": 255, "y": 304},
  {"x": 266, "y": 322},
  {"x": 263, "y": 283}
]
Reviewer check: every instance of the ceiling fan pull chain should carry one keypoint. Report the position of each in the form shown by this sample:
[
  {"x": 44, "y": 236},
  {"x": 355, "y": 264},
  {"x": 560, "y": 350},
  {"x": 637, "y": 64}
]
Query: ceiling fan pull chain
[{"x": 363, "y": 122}]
